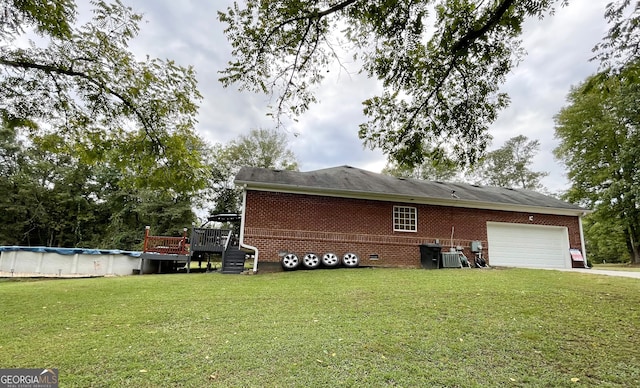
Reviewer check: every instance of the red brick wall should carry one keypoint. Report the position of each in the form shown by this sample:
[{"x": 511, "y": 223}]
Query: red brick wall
[{"x": 276, "y": 223}]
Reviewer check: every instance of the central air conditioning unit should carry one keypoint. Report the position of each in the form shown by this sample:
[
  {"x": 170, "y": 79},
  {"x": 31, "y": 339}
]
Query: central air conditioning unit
[{"x": 451, "y": 260}]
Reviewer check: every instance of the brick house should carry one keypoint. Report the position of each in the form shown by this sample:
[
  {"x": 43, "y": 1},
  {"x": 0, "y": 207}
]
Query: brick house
[{"x": 384, "y": 220}]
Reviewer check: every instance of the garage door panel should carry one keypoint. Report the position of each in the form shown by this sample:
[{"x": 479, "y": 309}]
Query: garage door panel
[{"x": 534, "y": 246}]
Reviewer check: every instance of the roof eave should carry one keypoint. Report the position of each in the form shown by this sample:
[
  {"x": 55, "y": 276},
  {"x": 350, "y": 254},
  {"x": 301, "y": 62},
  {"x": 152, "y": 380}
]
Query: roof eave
[{"x": 454, "y": 202}]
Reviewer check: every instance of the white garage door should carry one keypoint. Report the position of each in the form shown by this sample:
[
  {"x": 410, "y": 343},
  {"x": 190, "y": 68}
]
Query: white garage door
[{"x": 532, "y": 246}]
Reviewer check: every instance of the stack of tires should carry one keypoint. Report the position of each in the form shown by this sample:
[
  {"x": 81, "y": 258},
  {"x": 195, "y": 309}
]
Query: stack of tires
[{"x": 291, "y": 261}]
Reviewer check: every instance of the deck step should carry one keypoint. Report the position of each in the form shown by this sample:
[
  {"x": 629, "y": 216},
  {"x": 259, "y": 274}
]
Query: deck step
[{"x": 233, "y": 262}]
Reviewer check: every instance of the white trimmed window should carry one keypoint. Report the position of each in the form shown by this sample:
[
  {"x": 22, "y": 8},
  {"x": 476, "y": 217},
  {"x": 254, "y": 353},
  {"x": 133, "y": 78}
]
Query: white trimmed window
[{"x": 405, "y": 219}]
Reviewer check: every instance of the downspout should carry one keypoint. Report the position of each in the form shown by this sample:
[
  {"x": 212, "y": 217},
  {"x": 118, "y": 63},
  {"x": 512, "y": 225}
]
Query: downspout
[
  {"x": 242, "y": 244},
  {"x": 584, "y": 247}
]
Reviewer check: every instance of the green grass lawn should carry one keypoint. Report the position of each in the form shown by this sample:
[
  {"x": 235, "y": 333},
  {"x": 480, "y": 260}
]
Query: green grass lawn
[
  {"x": 618, "y": 267},
  {"x": 362, "y": 327}
]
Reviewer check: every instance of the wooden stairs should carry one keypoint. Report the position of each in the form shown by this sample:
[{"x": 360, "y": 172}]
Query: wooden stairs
[{"x": 233, "y": 260}]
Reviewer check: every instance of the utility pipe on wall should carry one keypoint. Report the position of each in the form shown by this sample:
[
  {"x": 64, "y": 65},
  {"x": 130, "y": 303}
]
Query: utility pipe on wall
[
  {"x": 242, "y": 244},
  {"x": 584, "y": 248}
]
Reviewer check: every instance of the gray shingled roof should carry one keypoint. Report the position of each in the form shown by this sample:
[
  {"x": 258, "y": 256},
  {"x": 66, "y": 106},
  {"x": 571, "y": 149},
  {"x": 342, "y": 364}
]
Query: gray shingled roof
[{"x": 354, "y": 182}]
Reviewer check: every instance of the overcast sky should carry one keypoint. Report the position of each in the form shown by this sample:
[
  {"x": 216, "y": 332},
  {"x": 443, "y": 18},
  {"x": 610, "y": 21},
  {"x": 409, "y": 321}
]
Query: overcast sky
[{"x": 188, "y": 32}]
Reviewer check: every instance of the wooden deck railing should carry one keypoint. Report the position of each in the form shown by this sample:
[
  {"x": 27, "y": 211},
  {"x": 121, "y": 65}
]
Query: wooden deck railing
[
  {"x": 165, "y": 245},
  {"x": 209, "y": 240}
]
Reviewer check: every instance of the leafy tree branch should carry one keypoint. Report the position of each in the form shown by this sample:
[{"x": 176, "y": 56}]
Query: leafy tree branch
[
  {"x": 51, "y": 70},
  {"x": 441, "y": 74},
  {"x": 86, "y": 78}
]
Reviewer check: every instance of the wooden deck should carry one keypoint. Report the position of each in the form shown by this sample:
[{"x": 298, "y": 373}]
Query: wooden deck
[
  {"x": 171, "y": 252},
  {"x": 165, "y": 250},
  {"x": 209, "y": 240},
  {"x": 164, "y": 245}
]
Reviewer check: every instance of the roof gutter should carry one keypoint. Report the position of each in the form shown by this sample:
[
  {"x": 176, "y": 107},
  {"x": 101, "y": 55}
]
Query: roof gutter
[{"x": 242, "y": 244}]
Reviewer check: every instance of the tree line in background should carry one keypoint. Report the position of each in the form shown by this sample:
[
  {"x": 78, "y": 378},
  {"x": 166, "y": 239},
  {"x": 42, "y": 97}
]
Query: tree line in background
[
  {"x": 50, "y": 197},
  {"x": 507, "y": 166},
  {"x": 260, "y": 148},
  {"x": 599, "y": 133},
  {"x": 95, "y": 143}
]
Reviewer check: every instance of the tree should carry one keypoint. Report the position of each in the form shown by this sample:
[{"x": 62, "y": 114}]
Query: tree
[
  {"x": 605, "y": 240},
  {"x": 599, "y": 133},
  {"x": 441, "y": 76},
  {"x": 110, "y": 140},
  {"x": 13, "y": 216},
  {"x": 46, "y": 196},
  {"x": 509, "y": 166},
  {"x": 50, "y": 197},
  {"x": 260, "y": 148},
  {"x": 435, "y": 167},
  {"x": 621, "y": 46},
  {"x": 134, "y": 188},
  {"x": 129, "y": 211},
  {"x": 84, "y": 81}
]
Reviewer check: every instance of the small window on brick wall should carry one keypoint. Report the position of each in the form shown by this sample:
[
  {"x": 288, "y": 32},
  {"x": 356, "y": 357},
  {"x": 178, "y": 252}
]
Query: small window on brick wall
[{"x": 405, "y": 219}]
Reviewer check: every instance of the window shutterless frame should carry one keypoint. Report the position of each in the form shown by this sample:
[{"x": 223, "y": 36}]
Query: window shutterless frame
[{"x": 405, "y": 219}]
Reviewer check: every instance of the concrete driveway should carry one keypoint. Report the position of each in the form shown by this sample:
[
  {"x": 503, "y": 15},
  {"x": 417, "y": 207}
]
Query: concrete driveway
[{"x": 626, "y": 274}]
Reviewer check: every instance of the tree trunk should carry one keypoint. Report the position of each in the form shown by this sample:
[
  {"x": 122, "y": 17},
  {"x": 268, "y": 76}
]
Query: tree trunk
[
  {"x": 635, "y": 252},
  {"x": 632, "y": 244}
]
